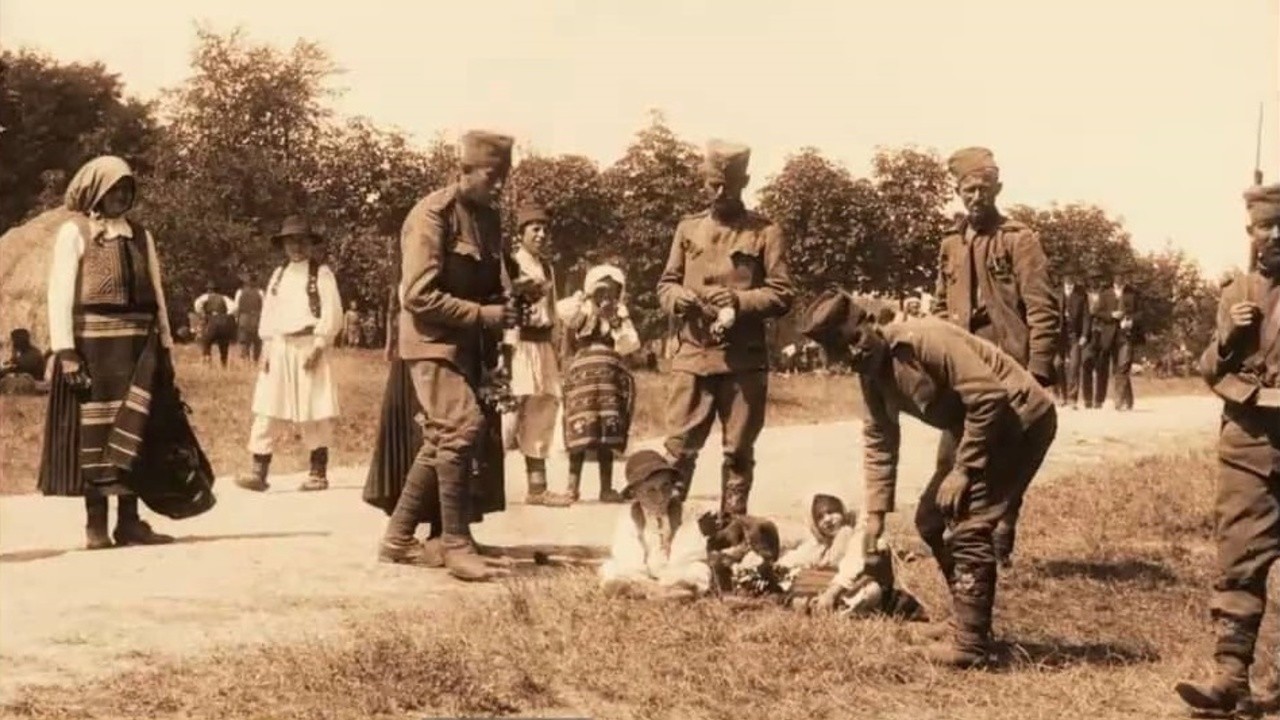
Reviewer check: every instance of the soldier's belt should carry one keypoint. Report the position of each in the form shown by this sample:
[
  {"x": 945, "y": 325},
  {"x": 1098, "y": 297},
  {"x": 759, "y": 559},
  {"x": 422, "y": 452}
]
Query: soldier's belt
[{"x": 535, "y": 334}]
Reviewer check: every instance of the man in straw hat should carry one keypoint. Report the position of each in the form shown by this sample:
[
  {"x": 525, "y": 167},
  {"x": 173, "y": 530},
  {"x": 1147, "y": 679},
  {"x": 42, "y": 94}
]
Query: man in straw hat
[
  {"x": 726, "y": 274},
  {"x": 454, "y": 309},
  {"x": 997, "y": 423},
  {"x": 1242, "y": 364},
  {"x": 993, "y": 280},
  {"x": 657, "y": 551},
  {"x": 301, "y": 318}
]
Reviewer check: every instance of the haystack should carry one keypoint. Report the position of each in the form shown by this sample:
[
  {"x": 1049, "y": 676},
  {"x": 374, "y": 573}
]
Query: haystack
[{"x": 26, "y": 252}]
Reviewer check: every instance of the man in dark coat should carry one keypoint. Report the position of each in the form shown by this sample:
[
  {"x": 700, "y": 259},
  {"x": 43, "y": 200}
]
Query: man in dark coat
[
  {"x": 1117, "y": 322},
  {"x": 1073, "y": 344}
]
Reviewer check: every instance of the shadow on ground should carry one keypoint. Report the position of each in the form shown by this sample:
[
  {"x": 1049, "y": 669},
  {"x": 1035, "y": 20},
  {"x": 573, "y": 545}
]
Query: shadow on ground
[
  {"x": 21, "y": 556},
  {"x": 1124, "y": 571}
]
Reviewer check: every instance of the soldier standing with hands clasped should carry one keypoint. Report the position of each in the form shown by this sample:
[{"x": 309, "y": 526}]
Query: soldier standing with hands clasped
[
  {"x": 725, "y": 275},
  {"x": 1242, "y": 364},
  {"x": 993, "y": 280}
]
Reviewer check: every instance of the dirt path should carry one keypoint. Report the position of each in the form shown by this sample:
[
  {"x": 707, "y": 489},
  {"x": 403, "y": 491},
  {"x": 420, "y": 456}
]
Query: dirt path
[{"x": 287, "y": 565}]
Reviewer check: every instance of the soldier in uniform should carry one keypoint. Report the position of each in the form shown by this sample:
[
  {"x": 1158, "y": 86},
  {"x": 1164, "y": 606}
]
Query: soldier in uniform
[
  {"x": 1242, "y": 364},
  {"x": 454, "y": 308},
  {"x": 997, "y": 424},
  {"x": 726, "y": 274},
  {"x": 993, "y": 280}
]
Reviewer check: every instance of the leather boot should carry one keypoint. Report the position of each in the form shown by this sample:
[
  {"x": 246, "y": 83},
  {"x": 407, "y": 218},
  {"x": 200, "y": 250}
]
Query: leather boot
[
  {"x": 735, "y": 489},
  {"x": 460, "y": 555},
  {"x": 256, "y": 479},
  {"x": 133, "y": 530},
  {"x": 1228, "y": 690},
  {"x": 604, "y": 458},
  {"x": 318, "y": 477},
  {"x": 398, "y": 544},
  {"x": 972, "y": 597},
  {"x": 1004, "y": 536},
  {"x": 95, "y": 528}
]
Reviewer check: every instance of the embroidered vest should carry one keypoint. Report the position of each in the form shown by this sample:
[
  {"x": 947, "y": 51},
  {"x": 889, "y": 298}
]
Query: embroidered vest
[{"x": 114, "y": 274}]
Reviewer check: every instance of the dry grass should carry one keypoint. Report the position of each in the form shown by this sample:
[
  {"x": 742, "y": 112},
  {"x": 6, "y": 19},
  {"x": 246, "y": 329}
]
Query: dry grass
[
  {"x": 220, "y": 403},
  {"x": 1105, "y": 611}
]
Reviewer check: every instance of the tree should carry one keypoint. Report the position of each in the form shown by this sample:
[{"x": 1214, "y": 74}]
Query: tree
[
  {"x": 1179, "y": 304},
  {"x": 913, "y": 188},
  {"x": 654, "y": 184},
  {"x": 1080, "y": 240},
  {"x": 55, "y": 117},
  {"x": 584, "y": 218}
]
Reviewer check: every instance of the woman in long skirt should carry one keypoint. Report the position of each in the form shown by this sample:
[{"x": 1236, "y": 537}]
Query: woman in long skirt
[
  {"x": 599, "y": 392},
  {"x": 112, "y": 381}
]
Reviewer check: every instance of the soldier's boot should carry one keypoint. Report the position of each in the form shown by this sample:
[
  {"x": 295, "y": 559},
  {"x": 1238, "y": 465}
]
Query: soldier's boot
[
  {"x": 972, "y": 599},
  {"x": 735, "y": 489},
  {"x": 1003, "y": 537},
  {"x": 256, "y": 479},
  {"x": 604, "y": 458},
  {"x": 95, "y": 528},
  {"x": 398, "y": 543},
  {"x": 133, "y": 530},
  {"x": 461, "y": 556},
  {"x": 1228, "y": 690},
  {"x": 318, "y": 476}
]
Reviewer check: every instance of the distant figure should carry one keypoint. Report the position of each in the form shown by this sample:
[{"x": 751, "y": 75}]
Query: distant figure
[
  {"x": 369, "y": 329},
  {"x": 24, "y": 371},
  {"x": 1077, "y": 327},
  {"x": 1116, "y": 319},
  {"x": 248, "y": 304},
  {"x": 351, "y": 326},
  {"x": 219, "y": 323},
  {"x": 912, "y": 307}
]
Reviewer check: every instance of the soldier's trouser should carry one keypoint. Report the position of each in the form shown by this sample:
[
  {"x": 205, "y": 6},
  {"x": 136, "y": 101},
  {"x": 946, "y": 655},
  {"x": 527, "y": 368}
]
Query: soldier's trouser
[
  {"x": 1121, "y": 365},
  {"x": 1247, "y": 529},
  {"x": 452, "y": 429},
  {"x": 1015, "y": 459},
  {"x": 738, "y": 400}
]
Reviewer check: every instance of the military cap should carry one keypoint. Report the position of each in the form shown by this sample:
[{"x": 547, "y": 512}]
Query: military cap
[
  {"x": 643, "y": 465},
  {"x": 481, "y": 148},
  {"x": 531, "y": 212},
  {"x": 296, "y": 226},
  {"x": 726, "y": 159},
  {"x": 1263, "y": 202},
  {"x": 831, "y": 318},
  {"x": 966, "y": 161}
]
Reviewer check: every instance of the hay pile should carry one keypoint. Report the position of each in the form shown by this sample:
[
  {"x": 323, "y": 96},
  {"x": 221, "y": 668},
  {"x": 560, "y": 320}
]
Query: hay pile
[{"x": 26, "y": 252}]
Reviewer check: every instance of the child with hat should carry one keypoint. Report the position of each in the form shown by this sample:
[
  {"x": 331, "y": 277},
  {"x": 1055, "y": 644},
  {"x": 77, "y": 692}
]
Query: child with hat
[
  {"x": 301, "y": 318},
  {"x": 657, "y": 551}
]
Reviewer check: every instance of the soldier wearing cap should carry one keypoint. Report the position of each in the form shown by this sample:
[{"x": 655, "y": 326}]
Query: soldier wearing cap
[
  {"x": 726, "y": 274},
  {"x": 454, "y": 308},
  {"x": 997, "y": 424},
  {"x": 1242, "y": 364},
  {"x": 993, "y": 280}
]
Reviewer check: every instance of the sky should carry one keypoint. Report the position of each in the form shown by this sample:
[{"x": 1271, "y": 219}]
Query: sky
[{"x": 1148, "y": 108}]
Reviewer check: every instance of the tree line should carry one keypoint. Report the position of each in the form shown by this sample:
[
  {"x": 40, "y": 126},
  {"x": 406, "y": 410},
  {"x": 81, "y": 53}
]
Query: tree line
[{"x": 251, "y": 137}]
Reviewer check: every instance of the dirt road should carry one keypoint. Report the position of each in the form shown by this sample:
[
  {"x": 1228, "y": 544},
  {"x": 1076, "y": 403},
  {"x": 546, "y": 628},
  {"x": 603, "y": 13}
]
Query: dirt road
[{"x": 288, "y": 565}]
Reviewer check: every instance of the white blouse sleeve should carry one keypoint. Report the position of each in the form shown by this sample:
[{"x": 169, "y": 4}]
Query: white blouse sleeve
[
  {"x": 626, "y": 553},
  {"x": 153, "y": 262},
  {"x": 68, "y": 247},
  {"x": 267, "y": 320},
  {"x": 330, "y": 308}
]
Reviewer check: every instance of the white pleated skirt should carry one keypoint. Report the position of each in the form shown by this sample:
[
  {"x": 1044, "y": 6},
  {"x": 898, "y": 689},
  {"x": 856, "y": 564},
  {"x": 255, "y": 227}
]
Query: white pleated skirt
[{"x": 289, "y": 392}]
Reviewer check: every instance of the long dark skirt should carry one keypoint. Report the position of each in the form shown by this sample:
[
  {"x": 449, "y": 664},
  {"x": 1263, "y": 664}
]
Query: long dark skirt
[
  {"x": 400, "y": 437},
  {"x": 599, "y": 399}
]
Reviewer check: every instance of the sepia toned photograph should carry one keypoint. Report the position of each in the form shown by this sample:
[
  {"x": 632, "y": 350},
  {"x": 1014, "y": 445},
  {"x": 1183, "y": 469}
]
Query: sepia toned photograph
[{"x": 669, "y": 360}]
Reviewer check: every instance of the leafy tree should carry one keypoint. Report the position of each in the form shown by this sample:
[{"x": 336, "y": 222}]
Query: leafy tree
[
  {"x": 1080, "y": 240},
  {"x": 654, "y": 184},
  {"x": 913, "y": 188},
  {"x": 56, "y": 116}
]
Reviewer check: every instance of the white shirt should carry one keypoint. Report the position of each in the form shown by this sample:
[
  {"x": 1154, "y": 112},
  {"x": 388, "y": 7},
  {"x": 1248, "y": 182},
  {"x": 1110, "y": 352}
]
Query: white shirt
[
  {"x": 636, "y": 555},
  {"x": 64, "y": 272},
  {"x": 205, "y": 298},
  {"x": 287, "y": 310}
]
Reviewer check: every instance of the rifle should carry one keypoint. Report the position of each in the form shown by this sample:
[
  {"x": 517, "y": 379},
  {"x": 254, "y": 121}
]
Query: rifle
[{"x": 1257, "y": 180}]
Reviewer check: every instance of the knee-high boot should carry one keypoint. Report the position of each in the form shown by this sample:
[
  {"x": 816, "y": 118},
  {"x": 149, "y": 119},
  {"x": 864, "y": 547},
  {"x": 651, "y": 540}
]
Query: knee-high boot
[{"x": 398, "y": 544}]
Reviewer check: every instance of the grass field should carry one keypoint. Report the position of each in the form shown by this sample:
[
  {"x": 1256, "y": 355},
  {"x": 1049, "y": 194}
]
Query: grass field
[
  {"x": 220, "y": 402},
  {"x": 1104, "y": 611}
]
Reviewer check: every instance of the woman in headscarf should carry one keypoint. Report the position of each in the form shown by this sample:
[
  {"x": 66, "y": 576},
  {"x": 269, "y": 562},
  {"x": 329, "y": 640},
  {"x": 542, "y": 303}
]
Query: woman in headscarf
[
  {"x": 109, "y": 331},
  {"x": 599, "y": 392}
]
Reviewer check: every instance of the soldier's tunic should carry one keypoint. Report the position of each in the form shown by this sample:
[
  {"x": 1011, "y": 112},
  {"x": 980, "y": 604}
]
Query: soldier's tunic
[
  {"x": 1247, "y": 509},
  {"x": 727, "y": 379},
  {"x": 997, "y": 424},
  {"x": 452, "y": 265},
  {"x": 997, "y": 286}
]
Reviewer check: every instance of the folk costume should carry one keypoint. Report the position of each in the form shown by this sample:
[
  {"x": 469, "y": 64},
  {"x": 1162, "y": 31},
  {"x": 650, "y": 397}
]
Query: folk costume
[
  {"x": 599, "y": 390},
  {"x": 116, "y": 424},
  {"x": 534, "y": 365},
  {"x": 655, "y": 548},
  {"x": 301, "y": 315}
]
